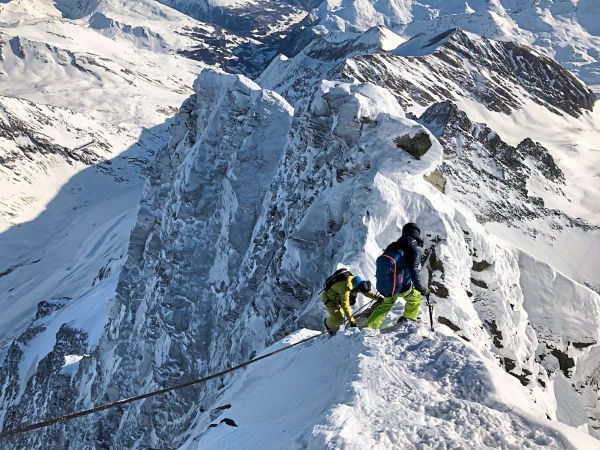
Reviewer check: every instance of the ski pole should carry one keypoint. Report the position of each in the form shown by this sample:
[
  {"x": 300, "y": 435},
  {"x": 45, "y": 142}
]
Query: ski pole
[{"x": 430, "y": 306}]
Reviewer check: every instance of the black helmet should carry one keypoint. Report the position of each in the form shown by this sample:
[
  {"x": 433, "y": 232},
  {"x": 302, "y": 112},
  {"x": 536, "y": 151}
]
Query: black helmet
[
  {"x": 364, "y": 286},
  {"x": 411, "y": 229}
]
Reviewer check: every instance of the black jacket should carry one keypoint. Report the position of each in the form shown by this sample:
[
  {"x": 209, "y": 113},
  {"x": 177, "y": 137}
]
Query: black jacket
[{"x": 412, "y": 256}]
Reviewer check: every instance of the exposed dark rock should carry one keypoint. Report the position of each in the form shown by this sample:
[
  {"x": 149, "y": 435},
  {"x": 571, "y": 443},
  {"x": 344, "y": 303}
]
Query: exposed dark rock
[
  {"x": 565, "y": 362},
  {"x": 436, "y": 271},
  {"x": 496, "y": 333},
  {"x": 230, "y": 422},
  {"x": 439, "y": 289},
  {"x": 435, "y": 263},
  {"x": 46, "y": 307},
  {"x": 437, "y": 179},
  {"x": 448, "y": 323},
  {"x": 581, "y": 345},
  {"x": 484, "y": 171},
  {"x": 61, "y": 394},
  {"x": 462, "y": 61},
  {"x": 480, "y": 266},
  {"x": 523, "y": 378},
  {"x": 542, "y": 159},
  {"x": 509, "y": 364},
  {"x": 479, "y": 283},
  {"x": 416, "y": 145}
]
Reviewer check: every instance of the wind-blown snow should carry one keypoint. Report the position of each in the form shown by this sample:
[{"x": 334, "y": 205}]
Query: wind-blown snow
[{"x": 403, "y": 388}]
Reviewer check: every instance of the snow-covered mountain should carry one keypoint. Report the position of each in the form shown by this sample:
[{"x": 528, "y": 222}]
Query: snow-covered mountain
[
  {"x": 566, "y": 30},
  {"x": 258, "y": 28},
  {"x": 514, "y": 89},
  {"x": 80, "y": 86},
  {"x": 256, "y": 190}
]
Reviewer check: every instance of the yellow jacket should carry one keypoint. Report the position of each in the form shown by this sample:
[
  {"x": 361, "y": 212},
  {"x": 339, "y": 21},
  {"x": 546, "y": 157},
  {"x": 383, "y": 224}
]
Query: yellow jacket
[{"x": 338, "y": 295}]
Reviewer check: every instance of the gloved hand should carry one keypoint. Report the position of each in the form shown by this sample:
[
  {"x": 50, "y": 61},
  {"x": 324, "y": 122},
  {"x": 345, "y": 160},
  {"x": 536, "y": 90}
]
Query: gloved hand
[
  {"x": 424, "y": 291},
  {"x": 352, "y": 323}
]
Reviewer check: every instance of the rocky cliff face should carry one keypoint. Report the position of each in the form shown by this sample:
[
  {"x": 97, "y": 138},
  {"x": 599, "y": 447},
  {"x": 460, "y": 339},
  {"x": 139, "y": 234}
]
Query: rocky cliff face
[
  {"x": 492, "y": 175},
  {"x": 233, "y": 233},
  {"x": 261, "y": 225}
]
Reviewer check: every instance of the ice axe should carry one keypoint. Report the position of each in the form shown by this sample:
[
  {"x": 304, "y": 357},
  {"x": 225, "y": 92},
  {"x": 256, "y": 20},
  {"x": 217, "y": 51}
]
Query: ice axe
[{"x": 430, "y": 307}]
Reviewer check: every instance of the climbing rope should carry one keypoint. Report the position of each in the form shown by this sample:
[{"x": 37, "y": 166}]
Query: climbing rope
[
  {"x": 125, "y": 401},
  {"x": 95, "y": 409}
]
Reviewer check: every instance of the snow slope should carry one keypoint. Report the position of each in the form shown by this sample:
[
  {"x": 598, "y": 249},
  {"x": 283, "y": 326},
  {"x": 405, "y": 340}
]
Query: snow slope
[
  {"x": 403, "y": 388},
  {"x": 80, "y": 87},
  {"x": 63, "y": 223},
  {"x": 249, "y": 201},
  {"x": 119, "y": 62}
]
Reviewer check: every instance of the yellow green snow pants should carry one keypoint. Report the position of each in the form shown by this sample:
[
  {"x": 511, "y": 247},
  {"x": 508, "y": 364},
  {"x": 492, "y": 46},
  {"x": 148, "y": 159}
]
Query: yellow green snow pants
[
  {"x": 411, "y": 309},
  {"x": 336, "y": 317}
]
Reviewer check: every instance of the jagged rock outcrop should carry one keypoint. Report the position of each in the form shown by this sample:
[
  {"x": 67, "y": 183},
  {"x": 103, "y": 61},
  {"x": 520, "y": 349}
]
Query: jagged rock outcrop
[
  {"x": 431, "y": 68},
  {"x": 494, "y": 177},
  {"x": 500, "y": 75},
  {"x": 260, "y": 214}
]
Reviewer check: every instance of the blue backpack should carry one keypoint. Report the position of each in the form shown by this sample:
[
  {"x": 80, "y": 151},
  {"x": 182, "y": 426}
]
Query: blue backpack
[{"x": 390, "y": 272}]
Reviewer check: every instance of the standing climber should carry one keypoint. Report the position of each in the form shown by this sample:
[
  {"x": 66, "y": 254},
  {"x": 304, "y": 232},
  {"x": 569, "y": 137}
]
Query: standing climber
[
  {"x": 399, "y": 275},
  {"x": 339, "y": 295}
]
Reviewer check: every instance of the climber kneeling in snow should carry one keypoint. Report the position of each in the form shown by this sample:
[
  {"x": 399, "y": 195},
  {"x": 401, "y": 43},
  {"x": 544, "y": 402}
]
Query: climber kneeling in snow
[
  {"x": 339, "y": 295},
  {"x": 398, "y": 275}
]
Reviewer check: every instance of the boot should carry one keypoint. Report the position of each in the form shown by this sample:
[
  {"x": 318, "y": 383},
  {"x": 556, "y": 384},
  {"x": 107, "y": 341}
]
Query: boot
[
  {"x": 331, "y": 332},
  {"x": 405, "y": 320}
]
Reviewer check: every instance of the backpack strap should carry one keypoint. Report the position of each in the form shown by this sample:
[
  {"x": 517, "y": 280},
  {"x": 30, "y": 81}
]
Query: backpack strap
[
  {"x": 394, "y": 261},
  {"x": 338, "y": 275}
]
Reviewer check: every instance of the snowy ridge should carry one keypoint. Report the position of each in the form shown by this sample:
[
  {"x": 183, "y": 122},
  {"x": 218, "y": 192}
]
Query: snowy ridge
[
  {"x": 392, "y": 378},
  {"x": 498, "y": 88},
  {"x": 357, "y": 188},
  {"x": 432, "y": 68},
  {"x": 565, "y": 30}
]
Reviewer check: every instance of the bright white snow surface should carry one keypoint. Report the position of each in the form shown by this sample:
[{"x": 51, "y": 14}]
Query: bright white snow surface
[
  {"x": 574, "y": 144},
  {"x": 98, "y": 72},
  {"x": 403, "y": 387}
]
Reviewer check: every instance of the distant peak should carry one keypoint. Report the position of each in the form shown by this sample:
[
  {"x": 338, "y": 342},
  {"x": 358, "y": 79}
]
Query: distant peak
[
  {"x": 425, "y": 44},
  {"x": 381, "y": 37}
]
